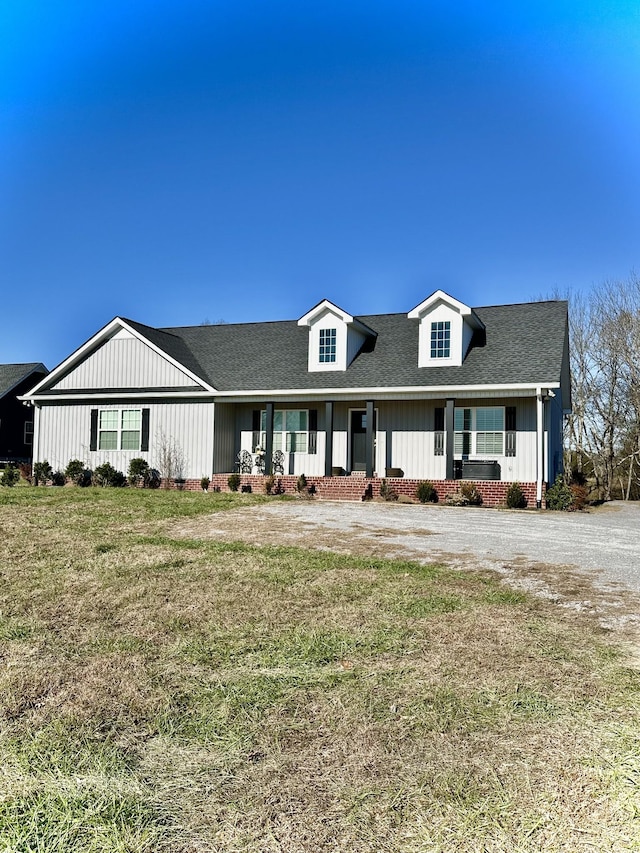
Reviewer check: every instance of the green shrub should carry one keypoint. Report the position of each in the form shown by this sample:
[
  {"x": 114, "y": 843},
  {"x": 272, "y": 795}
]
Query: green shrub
[
  {"x": 138, "y": 472},
  {"x": 470, "y": 493},
  {"x": 106, "y": 475},
  {"x": 41, "y": 473},
  {"x": 204, "y": 484},
  {"x": 426, "y": 493},
  {"x": 515, "y": 497},
  {"x": 58, "y": 478},
  {"x": 10, "y": 476},
  {"x": 387, "y": 492},
  {"x": 234, "y": 482},
  {"x": 559, "y": 496},
  {"x": 77, "y": 473}
]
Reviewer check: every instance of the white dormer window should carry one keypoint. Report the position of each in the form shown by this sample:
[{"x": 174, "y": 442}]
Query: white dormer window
[
  {"x": 445, "y": 331},
  {"x": 327, "y": 351},
  {"x": 335, "y": 337},
  {"x": 441, "y": 339}
]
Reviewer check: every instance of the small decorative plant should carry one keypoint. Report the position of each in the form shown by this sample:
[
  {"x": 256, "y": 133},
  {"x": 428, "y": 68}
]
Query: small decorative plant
[
  {"x": 302, "y": 487},
  {"x": 10, "y": 476},
  {"x": 58, "y": 478},
  {"x": 559, "y": 496},
  {"x": 138, "y": 472},
  {"x": 466, "y": 495},
  {"x": 426, "y": 493},
  {"x": 105, "y": 475},
  {"x": 77, "y": 473},
  {"x": 470, "y": 492},
  {"x": 269, "y": 484},
  {"x": 515, "y": 498},
  {"x": 204, "y": 484},
  {"x": 387, "y": 492},
  {"x": 233, "y": 482},
  {"x": 41, "y": 473}
]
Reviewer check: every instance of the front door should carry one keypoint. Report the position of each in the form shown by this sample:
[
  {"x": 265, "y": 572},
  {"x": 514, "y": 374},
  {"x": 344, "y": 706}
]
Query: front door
[{"x": 359, "y": 439}]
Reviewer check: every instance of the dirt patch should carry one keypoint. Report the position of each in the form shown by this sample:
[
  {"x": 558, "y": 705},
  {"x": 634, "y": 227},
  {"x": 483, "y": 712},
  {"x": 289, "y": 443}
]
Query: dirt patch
[{"x": 343, "y": 530}]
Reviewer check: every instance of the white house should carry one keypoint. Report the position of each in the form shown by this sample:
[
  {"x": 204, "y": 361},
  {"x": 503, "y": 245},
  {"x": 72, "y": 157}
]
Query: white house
[{"x": 440, "y": 393}]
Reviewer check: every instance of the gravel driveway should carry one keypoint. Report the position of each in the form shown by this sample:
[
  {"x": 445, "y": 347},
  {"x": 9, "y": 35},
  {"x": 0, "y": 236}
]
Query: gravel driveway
[{"x": 587, "y": 561}]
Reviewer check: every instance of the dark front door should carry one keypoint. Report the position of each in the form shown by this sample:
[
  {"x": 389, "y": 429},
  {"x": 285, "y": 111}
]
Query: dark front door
[{"x": 359, "y": 440}]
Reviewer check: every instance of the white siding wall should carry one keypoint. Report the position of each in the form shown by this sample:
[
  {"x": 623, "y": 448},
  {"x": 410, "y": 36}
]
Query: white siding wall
[
  {"x": 65, "y": 434},
  {"x": 404, "y": 439},
  {"x": 124, "y": 362},
  {"x": 311, "y": 464},
  {"x": 405, "y": 431}
]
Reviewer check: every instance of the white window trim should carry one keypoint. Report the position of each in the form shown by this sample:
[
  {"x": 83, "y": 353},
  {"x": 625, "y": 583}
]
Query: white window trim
[
  {"x": 119, "y": 431},
  {"x": 283, "y": 433},
  {"x": 331, "y": 342},
  {"x": 473, "y": 432},
  {"x": 447, "y": 329}
]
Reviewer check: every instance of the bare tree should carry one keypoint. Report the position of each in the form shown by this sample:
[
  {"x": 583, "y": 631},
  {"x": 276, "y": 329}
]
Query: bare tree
[
  {"x": 603, "y": 431},
  {"x": 170, "y": 460}
]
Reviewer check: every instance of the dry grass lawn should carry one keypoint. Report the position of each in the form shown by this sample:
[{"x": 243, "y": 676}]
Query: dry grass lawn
[{"x": 186, "y": 695}]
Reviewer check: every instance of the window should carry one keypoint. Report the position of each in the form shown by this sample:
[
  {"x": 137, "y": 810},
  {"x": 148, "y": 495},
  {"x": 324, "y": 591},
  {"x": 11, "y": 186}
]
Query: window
[
  {"x": 290, "y": 430},
  {"x": 327, "y": 351},
  {"x": 479, "y": 431},
  {"x": 28, "y": 432},
  {"x": 119, "y": 429},
  {"x": 441, "y": 339}
]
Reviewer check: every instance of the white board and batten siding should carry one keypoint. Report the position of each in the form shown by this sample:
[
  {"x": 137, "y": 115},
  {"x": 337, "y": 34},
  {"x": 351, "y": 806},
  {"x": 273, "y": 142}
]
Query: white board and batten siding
[
  {"x": 123, "y": 361},
  {"x": 310, "y": 464},
  {"x": 406, "y": 431},
  {"x": 65, "y": 434}
]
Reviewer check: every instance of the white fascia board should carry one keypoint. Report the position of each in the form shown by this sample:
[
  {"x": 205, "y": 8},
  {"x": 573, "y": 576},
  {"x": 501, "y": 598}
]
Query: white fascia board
[
  {"x": 415, "y": 391},
  {"x": 440, "y": 296},
  {"x": 308, "y": 318},
  {"x": 121, "y": 395},
  {"x": 75, "y": 356},
  {"x": 349, "y": 319},
  {"x": 100, "y": 336}
]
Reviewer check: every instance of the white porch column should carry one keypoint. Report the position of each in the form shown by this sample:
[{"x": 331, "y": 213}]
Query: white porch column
[
  {"x": 36, "y": 434},
  {"x": 539, "y": 445}
]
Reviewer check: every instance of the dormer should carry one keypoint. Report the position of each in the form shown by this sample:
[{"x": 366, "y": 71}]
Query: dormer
[
  {"x": 335, "y": 337},
  {"x": 446, "y": 329}
]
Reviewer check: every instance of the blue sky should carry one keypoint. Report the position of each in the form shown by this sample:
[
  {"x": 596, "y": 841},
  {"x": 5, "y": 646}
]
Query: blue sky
[{"x": 180, "y": 162}]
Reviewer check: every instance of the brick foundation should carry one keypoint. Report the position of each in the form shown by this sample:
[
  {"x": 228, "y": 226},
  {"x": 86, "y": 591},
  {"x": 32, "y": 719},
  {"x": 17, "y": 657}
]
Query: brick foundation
[{"x": 357, "y": 488}]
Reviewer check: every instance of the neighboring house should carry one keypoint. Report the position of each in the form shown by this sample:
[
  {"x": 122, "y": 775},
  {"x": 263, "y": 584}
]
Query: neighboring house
[
  {"x": 16, "y": 419},
  {"x": 440, "y": 393}
]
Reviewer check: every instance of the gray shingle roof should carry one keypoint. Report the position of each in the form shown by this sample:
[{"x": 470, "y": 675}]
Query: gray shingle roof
[
  {"x": 523, "y": 343},
  {"x": 13, "y": 374}
]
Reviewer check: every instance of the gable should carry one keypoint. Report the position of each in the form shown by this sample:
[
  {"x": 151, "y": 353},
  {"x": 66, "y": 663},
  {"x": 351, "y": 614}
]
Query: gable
[{"x": 123, "y": 361}]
